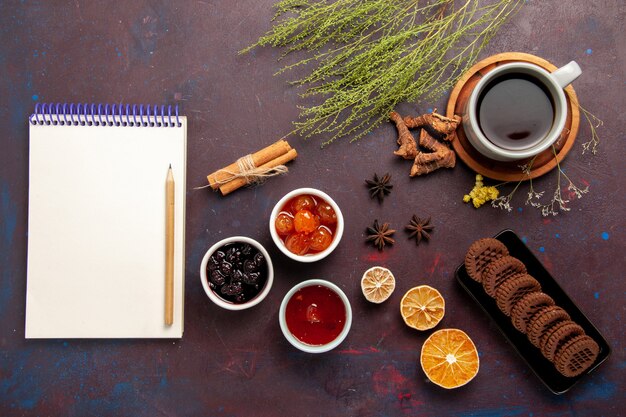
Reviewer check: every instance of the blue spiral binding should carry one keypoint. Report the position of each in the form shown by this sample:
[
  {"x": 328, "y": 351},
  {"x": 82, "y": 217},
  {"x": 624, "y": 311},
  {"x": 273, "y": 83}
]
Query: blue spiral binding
[{"x": 98, "y": 114}]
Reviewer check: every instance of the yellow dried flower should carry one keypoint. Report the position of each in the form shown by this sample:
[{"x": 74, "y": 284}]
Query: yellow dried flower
[{"x": 480, "y": 194}]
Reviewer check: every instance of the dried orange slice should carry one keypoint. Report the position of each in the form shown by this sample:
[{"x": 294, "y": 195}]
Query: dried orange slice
[
  {"x": 449, "y": 358},
  {"x": 377, "y": 284},
  {"x": 422, "y": 307}
]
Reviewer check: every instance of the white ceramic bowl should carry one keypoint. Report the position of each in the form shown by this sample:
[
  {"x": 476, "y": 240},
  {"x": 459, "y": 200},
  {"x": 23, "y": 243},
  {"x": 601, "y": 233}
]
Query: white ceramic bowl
[
  {"x": 218, "y": 300},
  {"x": 317, "y": 348},
  {"x": 336, "y": 238}
]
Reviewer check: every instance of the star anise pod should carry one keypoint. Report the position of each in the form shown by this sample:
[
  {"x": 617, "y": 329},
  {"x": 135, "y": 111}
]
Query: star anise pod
[
  {"x": 380, "y": 235},
  {"x": 379, "y": 187},
  {"x": 419, "y": 229}
]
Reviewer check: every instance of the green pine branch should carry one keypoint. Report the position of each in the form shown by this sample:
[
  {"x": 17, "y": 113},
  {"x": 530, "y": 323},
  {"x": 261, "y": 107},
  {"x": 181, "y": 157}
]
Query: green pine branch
[{"x": 367, "y": 56}]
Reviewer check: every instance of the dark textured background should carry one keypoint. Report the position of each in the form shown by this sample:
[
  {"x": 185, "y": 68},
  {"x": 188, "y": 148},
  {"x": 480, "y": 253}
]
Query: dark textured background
[{"x": 185, "y": 52}]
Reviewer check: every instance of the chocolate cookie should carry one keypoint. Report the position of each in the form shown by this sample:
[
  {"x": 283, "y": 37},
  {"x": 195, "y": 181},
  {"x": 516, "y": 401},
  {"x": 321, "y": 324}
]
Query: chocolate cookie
[
  {"x": 527, "y": 306},
  {"x": 558, "y": 336},
  {"x": 480, "y": 254},
  {"x": 576, "y": 355},
  {"x": 498, "y": 271},
  {"x": 542, "y": 320},
  {"x": 513, "y": 289}
]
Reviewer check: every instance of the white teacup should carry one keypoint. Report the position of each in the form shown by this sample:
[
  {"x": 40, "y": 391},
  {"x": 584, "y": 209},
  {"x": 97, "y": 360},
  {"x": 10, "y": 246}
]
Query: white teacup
[{"x": 510, "y": 96}]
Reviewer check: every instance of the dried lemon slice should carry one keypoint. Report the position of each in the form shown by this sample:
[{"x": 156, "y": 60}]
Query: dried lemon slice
[
  {"x": 422, "y": 307},
  {"x": 449, "y": 358},
  {"x": 377, "y": 284}
]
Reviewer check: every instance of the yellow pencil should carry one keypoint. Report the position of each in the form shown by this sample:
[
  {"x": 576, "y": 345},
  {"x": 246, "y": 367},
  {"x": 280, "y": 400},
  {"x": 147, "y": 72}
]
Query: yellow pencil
[{"x": 169, "y": 248}]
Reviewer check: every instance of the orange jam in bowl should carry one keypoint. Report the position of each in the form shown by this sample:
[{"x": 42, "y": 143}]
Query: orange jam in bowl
[{"x": 306, "y": 225}]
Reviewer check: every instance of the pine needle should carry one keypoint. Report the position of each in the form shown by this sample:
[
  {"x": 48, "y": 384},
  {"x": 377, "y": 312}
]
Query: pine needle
[{"x": 367, "y": 56}]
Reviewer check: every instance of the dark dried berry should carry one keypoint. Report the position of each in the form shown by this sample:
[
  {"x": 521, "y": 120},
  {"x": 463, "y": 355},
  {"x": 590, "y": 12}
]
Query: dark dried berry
[
  {"x": 213, "y": 264},
  {"x": 251, "y": 278},
  {"x": 219, "y": 255},
  {"x": 231, "y": 255},
  {"x": 259, "y": 258},
  {"x": 226, "y": 267},
  {"x": 250, "y": 266},
  {"x": 240, "y": 298},
  {"x": 236, "y": 276},
  {"x": 232, "y": 289},
  {"x": 217, "y": 278},
  {"x": 246, "y": 249}
]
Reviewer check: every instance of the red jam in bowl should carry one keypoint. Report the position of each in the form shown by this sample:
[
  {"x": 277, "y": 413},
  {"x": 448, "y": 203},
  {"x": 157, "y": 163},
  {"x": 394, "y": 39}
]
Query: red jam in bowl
[{"x": 315, "y": 315}]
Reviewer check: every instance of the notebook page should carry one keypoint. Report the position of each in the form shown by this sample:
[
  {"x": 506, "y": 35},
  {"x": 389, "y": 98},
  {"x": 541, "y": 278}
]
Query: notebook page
[{"x": 96, "y": 241}]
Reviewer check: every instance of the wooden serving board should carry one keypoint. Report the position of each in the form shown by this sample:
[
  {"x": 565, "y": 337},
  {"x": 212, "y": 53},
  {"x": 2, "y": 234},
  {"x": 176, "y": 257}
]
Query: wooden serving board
[{"x": 510, "y": 171}]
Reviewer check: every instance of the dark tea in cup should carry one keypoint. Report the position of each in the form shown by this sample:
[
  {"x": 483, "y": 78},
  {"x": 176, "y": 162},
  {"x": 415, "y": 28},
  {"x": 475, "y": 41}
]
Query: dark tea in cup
[{"x": 515, "y": 111}]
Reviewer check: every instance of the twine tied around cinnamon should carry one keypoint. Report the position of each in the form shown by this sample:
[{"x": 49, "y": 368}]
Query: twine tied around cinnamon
[
  {"x": 253, "y": 168},
  {"x": 250, "y": 173}
]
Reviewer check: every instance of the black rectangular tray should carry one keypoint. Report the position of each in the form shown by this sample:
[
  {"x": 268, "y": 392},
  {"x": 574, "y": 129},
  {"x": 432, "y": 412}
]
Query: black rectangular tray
[{"x": 544, "y": 369}]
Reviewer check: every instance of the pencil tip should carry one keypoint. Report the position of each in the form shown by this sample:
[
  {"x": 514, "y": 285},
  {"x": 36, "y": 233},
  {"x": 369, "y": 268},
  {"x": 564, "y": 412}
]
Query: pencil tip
[{"x": 170, "y": 166}]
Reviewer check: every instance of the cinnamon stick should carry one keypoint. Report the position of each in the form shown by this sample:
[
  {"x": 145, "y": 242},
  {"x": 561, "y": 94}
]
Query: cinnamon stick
[
  {"x": 260, "y": 158},
  {"x": 237, "y": 183}
]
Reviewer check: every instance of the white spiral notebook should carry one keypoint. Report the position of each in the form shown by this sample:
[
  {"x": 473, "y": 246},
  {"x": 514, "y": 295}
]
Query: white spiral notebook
[{"x": 97, "y": 218}]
